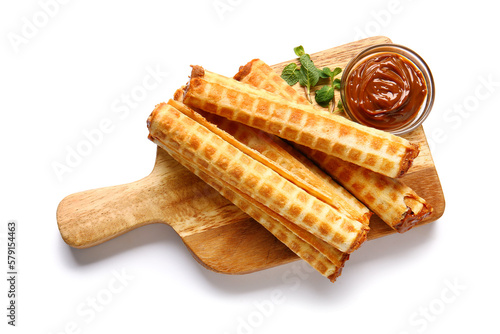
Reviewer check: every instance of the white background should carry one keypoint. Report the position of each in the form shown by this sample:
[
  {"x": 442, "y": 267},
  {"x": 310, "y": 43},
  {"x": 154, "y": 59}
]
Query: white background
[{"x": 66, "y": 75}]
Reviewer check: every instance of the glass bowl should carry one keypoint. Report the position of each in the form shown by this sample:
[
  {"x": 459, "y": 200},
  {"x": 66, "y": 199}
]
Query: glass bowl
[{"x": 411, "y": 56}]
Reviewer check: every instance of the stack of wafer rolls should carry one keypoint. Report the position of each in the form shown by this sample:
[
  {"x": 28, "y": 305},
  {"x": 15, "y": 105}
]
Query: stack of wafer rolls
[
  {"x": 395, "y": 203},
  {"x": 290, "y": 164},
  {"x": 319, "y": 233},
  {"x": 234, "y": 135}
]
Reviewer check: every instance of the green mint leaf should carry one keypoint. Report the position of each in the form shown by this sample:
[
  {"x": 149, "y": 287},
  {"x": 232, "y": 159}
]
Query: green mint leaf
[
  {"x": 290, "y": 74},
  {"x": 324, "y": 96},
  {"x": 302, "y": 78},
  {"x": 304, "y": 82},
  {"x": 326, "y": 73},
  {"x": 299, "y": 50},
  {"x": 336, "y": 72},
  {"x": 322, "y": 74},
  {"x": 336, "y": 83},
  {"x": 309, "y": 71}
]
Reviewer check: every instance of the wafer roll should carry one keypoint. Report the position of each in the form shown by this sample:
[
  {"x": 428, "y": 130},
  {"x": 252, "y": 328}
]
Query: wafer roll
[
  {"x": 256, "y": 180},
  {"x": 394, "y": 202},
  {"x": 303, "y": 249},
  {"x": 282, "y": 158},
  {"x": 373, "y": 149}
]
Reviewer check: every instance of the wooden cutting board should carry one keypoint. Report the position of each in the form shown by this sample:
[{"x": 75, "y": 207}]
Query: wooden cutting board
[{"x": 219, "y": 235}]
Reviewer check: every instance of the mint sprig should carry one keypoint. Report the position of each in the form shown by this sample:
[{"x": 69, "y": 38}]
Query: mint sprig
[
  {"x": 290, "y": 74},
  {"x": 326, "y": 95},
  {"x": 299, "y": 50},
  {"x": 308, "y": 76}
]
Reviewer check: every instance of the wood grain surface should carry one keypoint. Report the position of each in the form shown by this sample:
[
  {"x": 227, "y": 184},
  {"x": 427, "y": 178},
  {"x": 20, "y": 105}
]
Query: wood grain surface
[{"x": 219, "y": 235}]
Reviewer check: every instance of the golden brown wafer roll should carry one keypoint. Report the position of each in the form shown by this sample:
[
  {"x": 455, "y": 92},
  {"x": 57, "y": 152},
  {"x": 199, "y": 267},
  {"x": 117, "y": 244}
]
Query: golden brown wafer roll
[
  {"x": 394, "y": 202},
  {"x": 373, "y": 149},
  {"x": 282, "y": 158},
  {"x": 256, "y": 180},
  {"x": 304, "y": 250}
]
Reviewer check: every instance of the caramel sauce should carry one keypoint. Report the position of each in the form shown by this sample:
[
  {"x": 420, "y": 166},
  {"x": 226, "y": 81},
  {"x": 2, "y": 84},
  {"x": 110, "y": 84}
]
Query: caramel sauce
[{"x": 385, "y": 91}]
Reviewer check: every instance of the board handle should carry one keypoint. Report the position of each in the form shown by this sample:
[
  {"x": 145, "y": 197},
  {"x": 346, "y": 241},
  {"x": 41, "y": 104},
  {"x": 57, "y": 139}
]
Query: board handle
[{"x": 91, "y": 217}]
